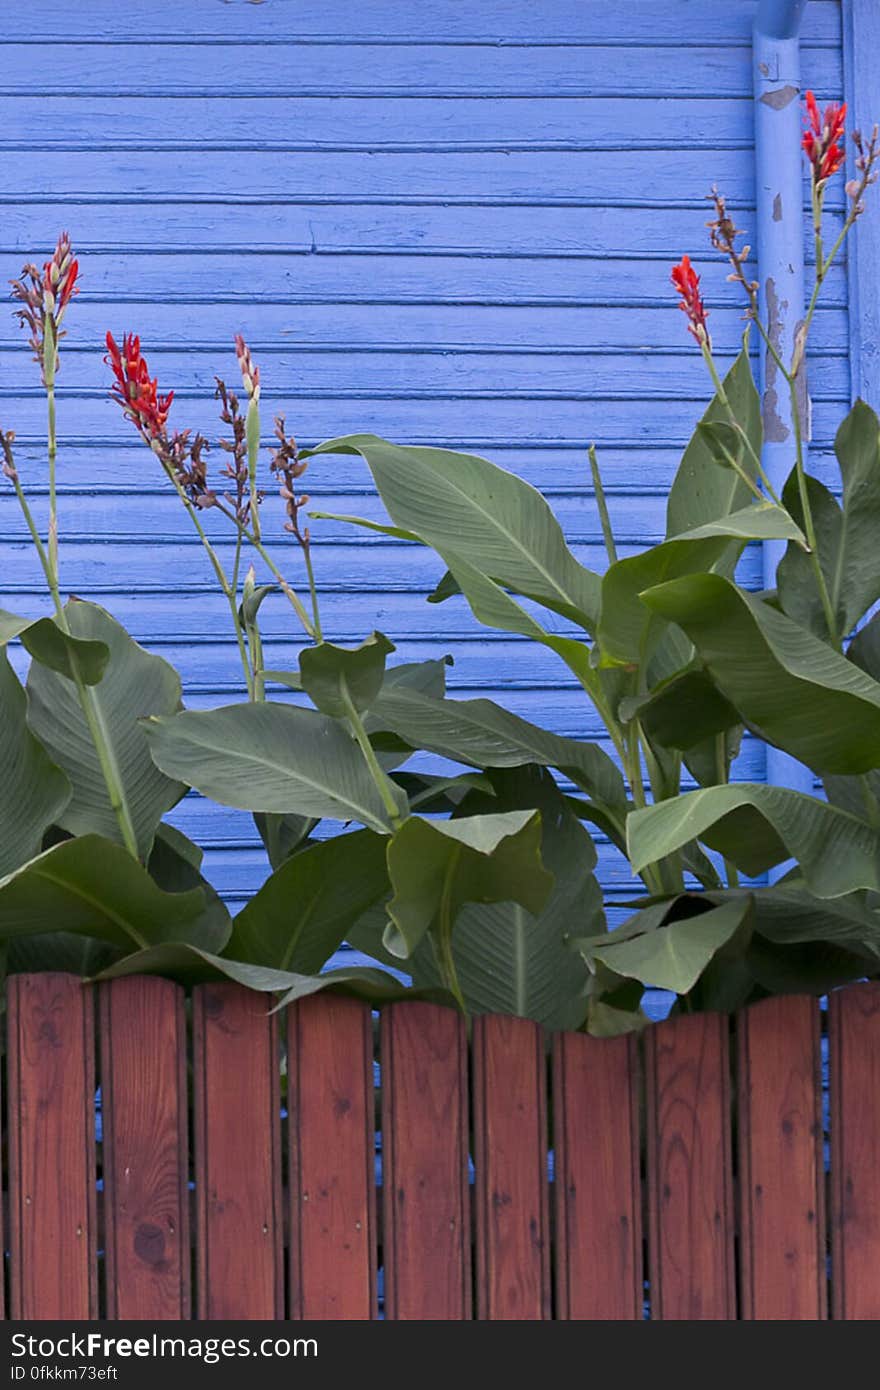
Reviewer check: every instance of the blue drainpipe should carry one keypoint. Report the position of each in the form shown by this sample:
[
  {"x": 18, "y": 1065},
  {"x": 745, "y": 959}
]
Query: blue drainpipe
[{"x": 780, "y": 244}]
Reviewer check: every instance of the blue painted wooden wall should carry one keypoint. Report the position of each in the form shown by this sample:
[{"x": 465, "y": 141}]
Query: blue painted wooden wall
[{"x": 446, "y": 222}]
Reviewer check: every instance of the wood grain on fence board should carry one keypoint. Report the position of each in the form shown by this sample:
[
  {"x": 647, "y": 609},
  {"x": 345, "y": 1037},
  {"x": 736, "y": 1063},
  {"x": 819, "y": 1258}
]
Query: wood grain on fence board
[
  {"x": 854, "y": 1027},
  {"x": 145, "y": 1149},
  {"x": 781, "y": 1174},
  {"x": 690, "y": 1161},
  {"x": 510, "y": 1141},
  {"x": 52, "y": 1167},
  {"x": 426, "y": 1211},
  {"x": 597, "y": 1186},
  {"x": 332, "y": 1159},
  {"x": 237, "y": 1106}
]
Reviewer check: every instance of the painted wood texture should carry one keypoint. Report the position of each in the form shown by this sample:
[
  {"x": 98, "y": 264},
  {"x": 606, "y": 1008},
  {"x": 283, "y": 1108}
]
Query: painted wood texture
[
  {"x": 854, "y": 1041},
  {"x": 237, "y": 1106},
  {"x": 332, "y": 1183},
  {"x": 425, "y": 1199},
  {"x": 510, "y": 1154},
  {"x": 692, "y": 1088},
  {"x": 455, "y": 228},
  {"x": 782, "y": 1238},
  {"x": 51, "y": 1136},
  {"x": 145, "y": 1149},
  {"x": 597, "y": 1183},
  {"x": 690, "y": 1164}
]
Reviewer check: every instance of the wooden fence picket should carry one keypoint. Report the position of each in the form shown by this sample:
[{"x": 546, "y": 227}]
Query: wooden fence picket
[
  {"x": 237, "y": 1103},
  {"x": 425, "y": 1201},
  {"x": 510, "y": 1155},
  {"x": 597, "y": 1185},
  {"x": 52, "y": 1160},
  {"x": 854, "y": 1037},
  {"x": 781, "y": 1171},
  {"x": 346, "y": 1221},
  {"x": 142, "y": 1045},
  {"x": 690, "y": 1169},
  {"x": 332, "y": 1196}
]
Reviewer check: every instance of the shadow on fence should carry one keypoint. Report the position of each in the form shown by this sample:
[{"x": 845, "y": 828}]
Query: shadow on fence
[{"x": 235, "y": 1172}]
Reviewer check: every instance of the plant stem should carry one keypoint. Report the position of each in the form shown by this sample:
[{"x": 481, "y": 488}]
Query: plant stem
[
  {"x": 809, "y": 526},
  {"x": 85, "y": 693},
  {"x": 313, "y": 590},
  {"x": 286, "y": 589},
  {"x": 379, "y": 776},
  {"x": 633, "y": 768},
  {"x": 230, "y": 591},
  {"x": 728, "y": 408},
  {"x": 443, "y": 935},
  {"x": 722, "y": 772},
  {"x": 49, "y": 351}
]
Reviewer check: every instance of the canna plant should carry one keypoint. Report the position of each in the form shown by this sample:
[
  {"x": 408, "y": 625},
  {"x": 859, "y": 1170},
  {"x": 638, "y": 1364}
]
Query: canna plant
[
  {"x": 96, "y": 879},
  {"x": 679, "y": 660}
]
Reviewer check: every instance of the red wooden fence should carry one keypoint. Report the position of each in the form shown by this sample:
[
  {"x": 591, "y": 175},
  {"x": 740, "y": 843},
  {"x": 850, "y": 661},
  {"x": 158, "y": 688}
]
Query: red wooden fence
[{"x": 685, "y": 1174}]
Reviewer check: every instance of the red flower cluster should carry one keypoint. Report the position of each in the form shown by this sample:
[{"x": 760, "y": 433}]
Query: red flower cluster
[
  {"x": 134, "y": 390},
  {"x": 59, "y": 278},
  {"x": 45, "y": 295},
  {"x": 250, "y": 373},
  {"x": 823, "y": 138},
  {"x": 687, "y": 283}
]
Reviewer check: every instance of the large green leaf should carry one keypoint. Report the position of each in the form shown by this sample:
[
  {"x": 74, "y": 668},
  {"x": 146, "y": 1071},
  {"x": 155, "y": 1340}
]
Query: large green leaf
[
  {"x": 682, "y": 711},
  {"x": 481, "y": 734},
  {"x": 92, "y": 886},
  {"x": 703, "y": 491},
  {"x": 491, "y": 519},
  {"x": 339, "y": 679},
  {"x": 270, "y": 757},
  {"x": 282, "y": 835},
  {"x": 846, "y": 538},
  {"x": 35, "y": 791},
  {"x": 55, "y": 648},
  {"x": 512, "y": 961},
  {"x": 797, "y": 691},
  {"x": 189, "y": 965},
  {"x": 756, "y": 827},
  {"x": 675, "y": 955},
  {"x": 437, "y": 866},
  {"x": 134, "y": 684},
  {"x": 628, "y": 630},
  {"x": 301, "y": 914}
]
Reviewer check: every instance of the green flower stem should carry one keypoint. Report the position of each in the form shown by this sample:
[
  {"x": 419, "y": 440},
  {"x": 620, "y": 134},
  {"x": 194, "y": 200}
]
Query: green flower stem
[
  {"x": 809, "y": 525},
  {"x": 49, "y": 353},
  {"x": 273, "y": 569},
  {"x": 632, "y": 765},
  {"x": 722, "y": 772},
  {"x": 230, "y": 591},
  {"x": 313, "y": 590},
  {"x": 85, "y": 693},
  {"x": 379, "y": 776},
  {"x": 726, "y": 406},
  {"x": 443, "y": 937}
]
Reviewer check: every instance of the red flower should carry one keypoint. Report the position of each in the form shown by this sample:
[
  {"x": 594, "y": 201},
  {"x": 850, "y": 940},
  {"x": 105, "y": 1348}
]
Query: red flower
[
  {"x": 823, "y": 138},
  {"x": 250, "y": 374},
  {"x": 687, "y": 283},
  {"x": 134, "y": 390},
  {"x": 45, "y": 295}
]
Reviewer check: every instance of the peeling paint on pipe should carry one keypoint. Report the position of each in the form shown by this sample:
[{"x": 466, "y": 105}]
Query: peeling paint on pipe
[{"x": 780, "y": 245}]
